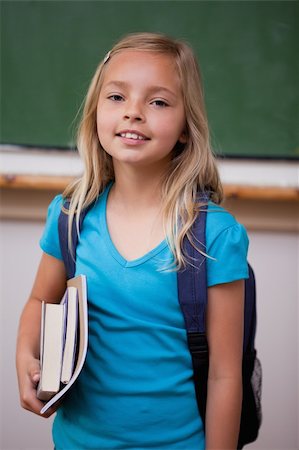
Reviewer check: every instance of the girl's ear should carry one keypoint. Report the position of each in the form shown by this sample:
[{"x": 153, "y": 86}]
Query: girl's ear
[{"x": 183, "y": 138}]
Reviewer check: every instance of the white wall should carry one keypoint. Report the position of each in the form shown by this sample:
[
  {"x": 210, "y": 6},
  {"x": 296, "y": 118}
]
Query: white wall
[
  {"x": 19, "y": 256},
  {"x": 274, "y": 257}
]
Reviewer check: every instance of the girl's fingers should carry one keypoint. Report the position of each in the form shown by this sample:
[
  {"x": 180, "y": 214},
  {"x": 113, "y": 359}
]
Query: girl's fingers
[
  {"x": 34, "y": 372},
  {"x": 28, "y": 397},
  {"x": 35, "y": 378},
  {"x": 30, "y": 402}
]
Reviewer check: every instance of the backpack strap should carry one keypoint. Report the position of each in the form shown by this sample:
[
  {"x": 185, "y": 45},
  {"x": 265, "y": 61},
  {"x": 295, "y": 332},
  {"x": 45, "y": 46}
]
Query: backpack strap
[
  {"x": 249, "y": 312},
  {"x": 192, "y": 281},
  {"x": 193, "y": 297},
  {"x": 68, "y": 257}
]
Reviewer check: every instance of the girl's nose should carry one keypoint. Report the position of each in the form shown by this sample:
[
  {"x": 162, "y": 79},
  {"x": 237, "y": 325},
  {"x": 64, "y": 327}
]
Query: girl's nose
[{"x": 134, "y": 112}]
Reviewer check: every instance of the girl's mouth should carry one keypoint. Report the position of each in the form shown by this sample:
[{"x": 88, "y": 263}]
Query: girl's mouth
[{"x": 134, "y": 135}]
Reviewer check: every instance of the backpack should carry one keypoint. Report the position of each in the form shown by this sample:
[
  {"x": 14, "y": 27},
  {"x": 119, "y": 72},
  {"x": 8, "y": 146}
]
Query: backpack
[{"x": 192, "y": 293}]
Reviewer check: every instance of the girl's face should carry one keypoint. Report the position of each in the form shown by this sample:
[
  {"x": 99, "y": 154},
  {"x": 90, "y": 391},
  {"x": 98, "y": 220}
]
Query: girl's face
[{"x": 140, "y": 112}]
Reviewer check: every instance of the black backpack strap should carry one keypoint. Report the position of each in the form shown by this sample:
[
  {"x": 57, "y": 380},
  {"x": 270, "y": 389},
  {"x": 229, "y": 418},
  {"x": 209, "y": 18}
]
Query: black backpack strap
[
  {"x": 249, "y": 312},
  {"x": 192, "y": 281},
  {"x": 69, "y": 258},
  {"x": 193, "y": 296}
]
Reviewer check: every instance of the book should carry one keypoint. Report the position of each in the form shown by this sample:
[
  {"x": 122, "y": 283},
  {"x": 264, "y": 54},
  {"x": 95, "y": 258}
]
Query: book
[
  {"x": 51, "y": 349},
  {"x": 71, "y": 325},
  {"x": 73, "y": 307}
]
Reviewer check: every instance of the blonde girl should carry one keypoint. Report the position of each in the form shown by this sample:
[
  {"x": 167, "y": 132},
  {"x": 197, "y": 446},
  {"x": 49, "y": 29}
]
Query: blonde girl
[{"x": 144, "y": 140}]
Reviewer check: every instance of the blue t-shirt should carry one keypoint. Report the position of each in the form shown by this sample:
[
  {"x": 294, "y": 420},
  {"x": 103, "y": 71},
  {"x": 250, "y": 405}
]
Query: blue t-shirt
[{"x": 136, "y": 390}]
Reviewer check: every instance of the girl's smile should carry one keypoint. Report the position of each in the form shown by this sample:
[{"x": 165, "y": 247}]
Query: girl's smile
[
  {"x": 140, "y": 112},
  {"x": 132, "y": 137}
]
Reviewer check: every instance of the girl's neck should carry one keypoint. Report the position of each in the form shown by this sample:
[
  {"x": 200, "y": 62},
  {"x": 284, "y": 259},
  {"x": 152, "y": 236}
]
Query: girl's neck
[
  {"x": 137, "y": 189},
  {"x": 134, "y": 216}
]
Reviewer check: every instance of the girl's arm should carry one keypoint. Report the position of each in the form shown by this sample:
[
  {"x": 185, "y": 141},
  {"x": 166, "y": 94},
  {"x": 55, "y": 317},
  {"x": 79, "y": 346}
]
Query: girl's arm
[
  {"x": 49, "y": 285},
  {"x": 225, "y": 317}
]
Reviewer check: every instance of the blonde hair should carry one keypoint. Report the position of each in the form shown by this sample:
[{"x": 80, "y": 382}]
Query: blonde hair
[{"x": 192, "y": 168}]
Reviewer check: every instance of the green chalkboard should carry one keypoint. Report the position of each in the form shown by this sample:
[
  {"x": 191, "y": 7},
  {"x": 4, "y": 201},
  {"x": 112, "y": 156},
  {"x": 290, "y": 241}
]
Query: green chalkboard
[{"x": 248, "y": 52}]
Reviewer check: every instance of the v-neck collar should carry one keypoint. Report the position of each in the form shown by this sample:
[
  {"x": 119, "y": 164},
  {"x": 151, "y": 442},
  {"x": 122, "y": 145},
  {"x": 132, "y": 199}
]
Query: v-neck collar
[{"x": 108, "y": 241}]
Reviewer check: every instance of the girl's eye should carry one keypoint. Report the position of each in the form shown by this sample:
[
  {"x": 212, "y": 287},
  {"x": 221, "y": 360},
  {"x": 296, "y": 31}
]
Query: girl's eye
[
  {"x": 160, "y": 103},
  {"x": 115, "y": 98}
]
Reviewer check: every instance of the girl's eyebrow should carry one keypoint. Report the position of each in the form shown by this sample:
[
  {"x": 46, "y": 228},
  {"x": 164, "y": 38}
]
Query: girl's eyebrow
[
  {"x": 116, "y": 83},
  {"x": 151, "y": 89}
]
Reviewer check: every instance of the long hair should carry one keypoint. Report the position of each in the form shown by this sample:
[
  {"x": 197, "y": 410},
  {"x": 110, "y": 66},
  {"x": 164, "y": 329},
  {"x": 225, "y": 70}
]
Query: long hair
[{"x": 192, "y": 168}]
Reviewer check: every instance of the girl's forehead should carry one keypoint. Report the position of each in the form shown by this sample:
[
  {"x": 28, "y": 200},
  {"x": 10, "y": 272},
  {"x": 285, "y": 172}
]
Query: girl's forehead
[
  {"x": 141, "y": 54},
  {"x": 141, "y": 64}
]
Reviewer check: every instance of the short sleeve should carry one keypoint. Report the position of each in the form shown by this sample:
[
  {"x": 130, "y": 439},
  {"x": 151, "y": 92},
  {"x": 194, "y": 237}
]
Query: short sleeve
[
  {"x": 49, "y": 241},
  {"x": 227, "y": 250}
]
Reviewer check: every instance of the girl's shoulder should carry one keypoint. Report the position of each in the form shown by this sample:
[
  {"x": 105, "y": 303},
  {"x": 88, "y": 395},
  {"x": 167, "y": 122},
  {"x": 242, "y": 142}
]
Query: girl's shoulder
[
  {"x": 219, "y": 221},
  {"x": 49, "y": 241},
  {"x": 56, "y": 203},
  {"x": 219, "y": 216},
  {"x": 227, "y": 245}
]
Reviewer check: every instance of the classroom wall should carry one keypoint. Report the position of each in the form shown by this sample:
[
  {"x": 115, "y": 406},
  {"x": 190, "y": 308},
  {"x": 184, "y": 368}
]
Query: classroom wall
[{"x": 274, "y": 256}]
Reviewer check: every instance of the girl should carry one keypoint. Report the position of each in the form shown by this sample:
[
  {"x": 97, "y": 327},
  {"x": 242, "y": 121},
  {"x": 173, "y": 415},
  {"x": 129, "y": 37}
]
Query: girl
[{"x": 145, "y": 144}]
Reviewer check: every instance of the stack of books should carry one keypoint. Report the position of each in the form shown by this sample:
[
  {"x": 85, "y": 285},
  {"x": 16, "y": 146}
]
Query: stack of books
[{"x": 63, "y": 343}]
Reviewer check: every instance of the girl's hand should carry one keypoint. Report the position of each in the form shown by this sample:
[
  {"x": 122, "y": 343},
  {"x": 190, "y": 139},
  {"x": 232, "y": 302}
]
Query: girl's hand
[{"x": 28, "y": 376}]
